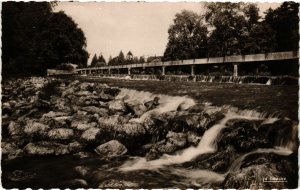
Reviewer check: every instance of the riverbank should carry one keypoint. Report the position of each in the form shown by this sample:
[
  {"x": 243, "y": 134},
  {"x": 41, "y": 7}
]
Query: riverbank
[{"x": 110, "y": 134}]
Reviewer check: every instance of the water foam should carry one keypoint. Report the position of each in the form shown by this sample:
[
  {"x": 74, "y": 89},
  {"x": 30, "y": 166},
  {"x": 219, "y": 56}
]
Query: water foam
[{"x": 166, "y": 103}]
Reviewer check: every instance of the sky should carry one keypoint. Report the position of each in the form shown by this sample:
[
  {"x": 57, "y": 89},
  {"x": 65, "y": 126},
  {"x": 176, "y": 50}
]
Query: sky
[{"x": 141, "y": 28}]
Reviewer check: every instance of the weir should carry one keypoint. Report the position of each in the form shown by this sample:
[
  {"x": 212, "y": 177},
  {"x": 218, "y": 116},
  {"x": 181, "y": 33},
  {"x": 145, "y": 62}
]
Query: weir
[{"x": 235, "y": 60}]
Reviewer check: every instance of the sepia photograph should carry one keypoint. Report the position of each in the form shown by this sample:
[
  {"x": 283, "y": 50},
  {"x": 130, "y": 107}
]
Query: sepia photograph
[{"x": 148, "y": 95}]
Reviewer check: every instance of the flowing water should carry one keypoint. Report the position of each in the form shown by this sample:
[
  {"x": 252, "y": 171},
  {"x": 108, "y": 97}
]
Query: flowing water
[{"x": 167, "y": 171}]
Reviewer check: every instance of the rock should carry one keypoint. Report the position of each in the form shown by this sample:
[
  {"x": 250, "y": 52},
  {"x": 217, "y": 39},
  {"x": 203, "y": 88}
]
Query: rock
[
  {"x": 15, "y": 128},
  {"x": 16, "y": 154},
  {"x": 83, "y": 93},
  {"x": 136, "y": 108},
  {"x": 46, "y": 148},
  {"x": 60, "y": 134},
  {"x": 253, "y": 178},
  {"x": 121, "y": 184},
  {"x": 192, "y": 138},
  {"x": 105, "y": 97},
  {"x": 95, "y": 110},
  {"x": 282, "y": 132},
  {"x": 177, "y": 139},
  {"x": 91, "y": 134},
  {"x": 111, "y": 91},
  {"x": 241, "y": 134},
  {"x": 75, "y": 146},
  {"x": 63, "y": 120},
  {"x": 82, "y": 155},
  {"x": 86, "y": 86},
  {"x": 8, "y": 148},
  {"x": 84, "y": 126},
  {"x": 219, "y": 161},
  {"x": 20, "y": 175},
  {"x": 132, "y": 129},
  {"x": 160, "y": 148},
  {"x": 75, "y": 183},
  {"x": 34, "y": 128},
  {"x": 152, "y": 104},
  {"x": 82, "y": 170},
  {"x": 117, "y": 106},
  {"x": 112, "y": 122},
  {"x": 112, "y": 148},
  {"x": 52, "y": 115}
]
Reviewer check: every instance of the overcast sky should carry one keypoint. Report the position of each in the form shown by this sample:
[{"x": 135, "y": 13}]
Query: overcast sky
[{"x": 141, "y": 28}]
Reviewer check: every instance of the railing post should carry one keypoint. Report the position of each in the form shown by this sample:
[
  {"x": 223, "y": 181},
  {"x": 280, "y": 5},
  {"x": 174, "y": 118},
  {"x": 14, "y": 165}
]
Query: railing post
[
  {"x": 235, "y": 69},
  {"x": 109, "y": 71},
  {"x": 128, "y": 70},
  {"x": 163, "y": 70},
  {"x": 192, "y": 70}
]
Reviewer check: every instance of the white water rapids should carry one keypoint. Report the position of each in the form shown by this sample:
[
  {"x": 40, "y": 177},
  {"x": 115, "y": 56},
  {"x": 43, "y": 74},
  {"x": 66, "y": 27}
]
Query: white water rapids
[{"x": 206, "y": 145}]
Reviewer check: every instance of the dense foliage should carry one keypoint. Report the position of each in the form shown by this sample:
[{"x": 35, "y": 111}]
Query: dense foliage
[
  {"x": 232, "y": 29},
  {"x": 98, "y": 61},
  {"x": 121, "y": 59},
  {"x": 34, "y": 39}
]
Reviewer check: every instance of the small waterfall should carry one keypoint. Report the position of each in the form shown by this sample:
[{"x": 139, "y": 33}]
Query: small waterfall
[
  {"x": 166, "y": 103},
  {"x": 206, "y": 145},
  {"x": 269, "y": 82}
]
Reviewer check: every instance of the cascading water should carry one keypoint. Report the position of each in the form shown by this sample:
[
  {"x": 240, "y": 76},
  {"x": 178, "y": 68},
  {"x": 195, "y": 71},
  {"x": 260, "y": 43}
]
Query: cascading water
[
  {"x": 206, "y": 145},
  {"x": 170, "y": 163},
  {"x": 166, "y": 103}
]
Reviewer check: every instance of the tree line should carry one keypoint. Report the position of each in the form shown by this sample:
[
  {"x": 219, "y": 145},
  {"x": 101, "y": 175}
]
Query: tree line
[
  {"x": 232, "y": 29},
  {"x": 121, "y": 59},
  {"x": 34, "y": 39}
]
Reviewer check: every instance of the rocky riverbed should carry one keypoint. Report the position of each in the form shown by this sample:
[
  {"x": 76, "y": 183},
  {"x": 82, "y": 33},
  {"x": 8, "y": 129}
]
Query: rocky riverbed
[{"x": 66, "y": 133}]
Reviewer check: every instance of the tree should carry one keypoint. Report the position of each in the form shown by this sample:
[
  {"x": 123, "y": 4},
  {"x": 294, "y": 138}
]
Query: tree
[
  {"x": 285, "y": 22},
  {"x": 142, "y": 59},
  {"x": 187, "y": 37},
  {"x": 109, "y": 60},
  {"x": 101, "y": 59},
  {"x": 229, "y": 25},
  {"x": 94, "y": 61},
  {"x": 35, "y": 39},
  {"x": 121, "y": 58}
]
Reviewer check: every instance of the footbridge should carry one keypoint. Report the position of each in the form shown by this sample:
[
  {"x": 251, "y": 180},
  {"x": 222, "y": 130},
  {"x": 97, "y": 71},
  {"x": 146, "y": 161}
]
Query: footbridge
[{"x": 235, "y": 60}]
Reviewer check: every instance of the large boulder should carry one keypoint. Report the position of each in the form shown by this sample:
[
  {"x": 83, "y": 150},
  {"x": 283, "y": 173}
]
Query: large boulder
[
  {"x": 242, "y": 135},
  {"x": 46, "y": 148},
  {"x": 60, "y": 134},
  {"x": 136, "y": 107},
  {"x": 112, "y": 148}
]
